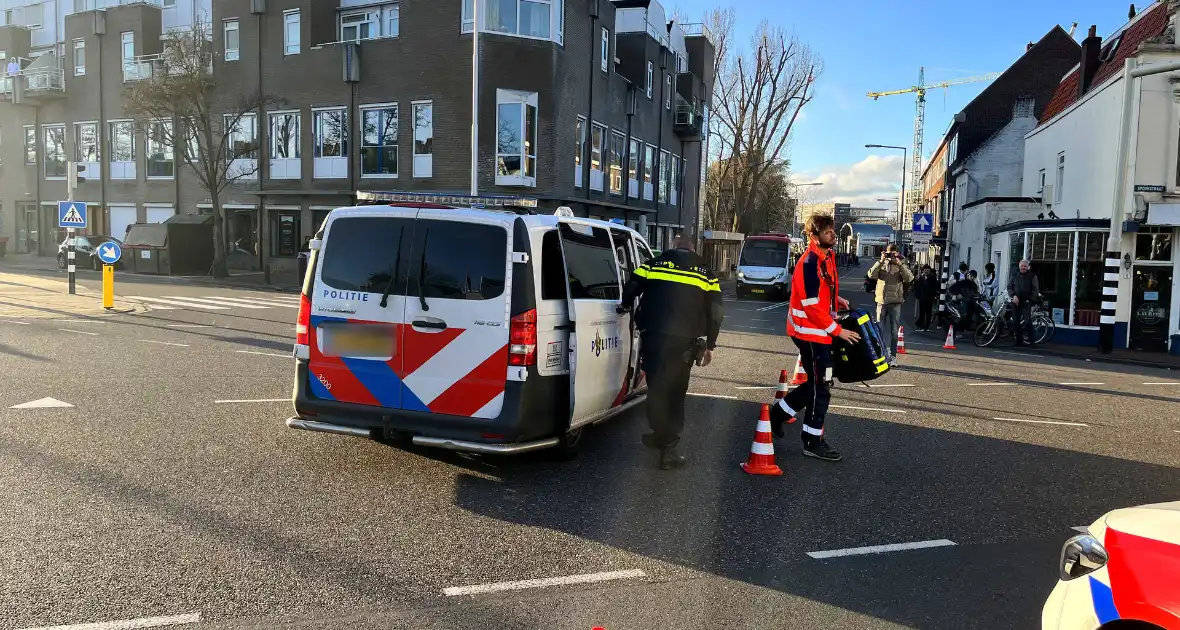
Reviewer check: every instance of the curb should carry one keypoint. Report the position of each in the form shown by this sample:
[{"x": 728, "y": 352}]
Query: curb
[
  {"x": 1090, "y": 358},
  {"x": 212, "y": 282}
]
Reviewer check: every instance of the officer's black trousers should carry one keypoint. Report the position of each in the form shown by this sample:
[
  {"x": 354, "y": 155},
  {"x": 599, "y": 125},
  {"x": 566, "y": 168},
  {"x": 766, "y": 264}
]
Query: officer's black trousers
[{"x": 667, "y": 381}]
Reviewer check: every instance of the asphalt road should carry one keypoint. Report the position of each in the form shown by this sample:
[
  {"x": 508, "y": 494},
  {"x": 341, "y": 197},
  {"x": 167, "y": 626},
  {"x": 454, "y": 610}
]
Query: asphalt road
[{"x": 150, "y": 498}]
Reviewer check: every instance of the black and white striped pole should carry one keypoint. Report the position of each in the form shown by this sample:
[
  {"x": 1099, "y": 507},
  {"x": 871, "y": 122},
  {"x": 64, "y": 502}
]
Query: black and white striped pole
[
  {"x": 1110, "y": 294},
  {"x": 73, "y": 177},
  {"x": 946, "y": 268}
]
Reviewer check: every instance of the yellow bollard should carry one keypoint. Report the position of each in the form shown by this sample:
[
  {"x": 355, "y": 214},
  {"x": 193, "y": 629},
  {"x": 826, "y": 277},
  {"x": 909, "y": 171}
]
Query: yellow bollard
[{"x": 108, "y": 286}]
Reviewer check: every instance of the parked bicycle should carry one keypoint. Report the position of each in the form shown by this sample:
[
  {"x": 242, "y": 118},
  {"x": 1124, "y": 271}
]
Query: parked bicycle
[{"x": 1001, "y": 322}]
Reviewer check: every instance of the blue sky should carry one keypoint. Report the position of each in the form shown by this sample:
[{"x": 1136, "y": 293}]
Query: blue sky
[{"x": 878, "y": 45}]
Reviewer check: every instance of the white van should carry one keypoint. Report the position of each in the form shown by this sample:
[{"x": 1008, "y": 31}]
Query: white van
[
  {"x": 480, "y": 330},
  {"x": 765, "y": 264}
]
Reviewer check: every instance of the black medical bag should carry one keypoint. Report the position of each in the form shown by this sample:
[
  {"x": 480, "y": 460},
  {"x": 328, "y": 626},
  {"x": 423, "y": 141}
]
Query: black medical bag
[{"x": 863, "y": 360}]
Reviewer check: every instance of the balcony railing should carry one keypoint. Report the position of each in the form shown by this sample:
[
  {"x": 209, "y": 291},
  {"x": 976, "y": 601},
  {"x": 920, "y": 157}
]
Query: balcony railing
[
  {"x": 42, "y": 80},
  {"x": 143, "y": 67},
  {"x": 697, "y": 29}
]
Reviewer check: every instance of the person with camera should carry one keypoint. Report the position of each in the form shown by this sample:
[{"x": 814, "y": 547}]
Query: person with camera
[
  {"x": 815, "y": 287},
  {"x": 679, "y": 318},
  {"x": 892, "y": 276}
]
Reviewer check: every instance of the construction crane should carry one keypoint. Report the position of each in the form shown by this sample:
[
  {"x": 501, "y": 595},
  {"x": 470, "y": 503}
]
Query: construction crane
[{"x": 916, "y": 192}]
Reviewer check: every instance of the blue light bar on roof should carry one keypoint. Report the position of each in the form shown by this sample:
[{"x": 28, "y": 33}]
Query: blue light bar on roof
[{"x": 467, "y": 201}]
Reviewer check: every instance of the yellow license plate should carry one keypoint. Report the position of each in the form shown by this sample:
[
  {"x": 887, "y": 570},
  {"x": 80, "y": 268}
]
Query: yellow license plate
[
  {"x": 757, "y": 290},
  {"x": 359, "y": 340}
]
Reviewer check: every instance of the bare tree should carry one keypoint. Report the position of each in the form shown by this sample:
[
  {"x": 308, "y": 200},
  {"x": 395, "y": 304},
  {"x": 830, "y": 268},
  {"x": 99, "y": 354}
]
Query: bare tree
[
  {"x": 174, "y": 103},
  {"x": 758, "y": 95}
]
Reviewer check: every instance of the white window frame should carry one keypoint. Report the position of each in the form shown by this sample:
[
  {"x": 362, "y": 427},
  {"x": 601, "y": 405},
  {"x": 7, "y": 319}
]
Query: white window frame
[
  {"x": 79, "y": 46},
  {"x": 668, "y": 92},
  {"x": 273, "y": 149},
  {"x": 1060, "y": 178},
  {"x": 674, "y": 180},
  {"x": 168, "y": 4},
  {"x": 237, "y": 130},
  {"x": 556, "y": 20},
  {"x": 622, "y": 165},
  {"x": 291, "y": 41},
  {"x": 423, "y": 163},
  {"x": 579, "y": 148},
  {"x": 649, "y": 175},
  {"x": 149, "y": 141},
  {"x": 45, "y": 129},
  {"x": 603, "y": 134},
  {"x": 391, "y": 19},
  {"x": 650, "y": 78},
  {"x": 33, "y": 130},
  {"x": 528, "y": 146},
  {"x": 126, "y": 38},
  {"x": 604, "y": 53},
  {"x": 231, "y": 54},
  {"x": 361, "y": 146},
  {"x": 78, "y": 155},
  {"x": 317, "y": 131},
  {"x": 662, "y": 185},
  {"x": 112, "y": 153},
  {"x": 372, "y": 17}
]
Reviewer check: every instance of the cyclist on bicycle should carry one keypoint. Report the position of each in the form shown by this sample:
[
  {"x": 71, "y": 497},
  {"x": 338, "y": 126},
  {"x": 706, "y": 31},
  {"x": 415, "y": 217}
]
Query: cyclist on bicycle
[{"x": 1024, "y": 289}]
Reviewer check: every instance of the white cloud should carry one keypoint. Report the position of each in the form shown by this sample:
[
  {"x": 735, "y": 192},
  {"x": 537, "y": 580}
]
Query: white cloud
[{"x": 860, "y": 184}]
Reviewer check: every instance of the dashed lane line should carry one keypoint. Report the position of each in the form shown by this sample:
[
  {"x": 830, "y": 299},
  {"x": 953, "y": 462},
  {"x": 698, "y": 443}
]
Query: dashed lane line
[
  {"x": 891, "y": 385},
  {"x": 756, "y": 387},
  {"x": 79, "y": 332},
  {"x": 248, "y": 400},
  {"x": 265, "y": 354},
  {"x": 130, "y": 624},
  {"x": 762, "y": 330},
  {"x": 1017, "y": 354},
  {"x": 164, "y": 343},
  {"x": 1161, "y": 383},
  {"x": 721, "y": 396},
  {"x": 772, "y": 307},
  {"x": 587, "y": 578},
  {"x": 990, "y": 384},
  {"x": 1081, "y": 383},
  {"x": 187, "y": 326},
  {"x": 1056, "y": 422},
  {"x": 875, "y": 549},
  {"x": 867, "y": 409}
]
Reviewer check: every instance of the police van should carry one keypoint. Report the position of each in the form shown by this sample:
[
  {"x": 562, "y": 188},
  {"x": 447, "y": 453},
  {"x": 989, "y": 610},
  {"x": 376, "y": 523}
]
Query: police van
[{"x": 472, "y": 324}]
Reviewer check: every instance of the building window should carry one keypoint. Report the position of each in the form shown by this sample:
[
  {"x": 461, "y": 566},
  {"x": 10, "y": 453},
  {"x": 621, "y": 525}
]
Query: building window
[
  {"x": 168, "y": 4},
  {"x": 1051, "y": 258},
  {"x": 86, "y": 142},
  {"x": 665, "y": 162},
  {"x": 242, "y": 140},
  {"x": 284, "y": 236},
  {"x": 1060, "y": 178},
  {"x": 604, "y": 55},
  {"x": 559, "y": 17},
  {"x": 1041, "y": 189},
  {"x": 1154, "y": 243},
  {"x": 30, "y": 144},
  {"x": 536, "y": 19},
  {"x": 650, "y": 76},
  {"x": 159, "y": 150},
  {"x": 516, "y": 138},
  {"x": 668, "y": 91},
  {"x": 284, "y": 136},
  {"x": 231, "y": 40},
  {"x": 597, "y": 148},
  {"x": 372, "y": 23},
  {"x": 674, "y": 181},
  {"x": 291, "y": 32},
  {"x": 649, "y": 162},
  {"x": 127, "y": 40},
  {"x": 379, "y": 141},
  {"x": 55, "y": 150},
  {"x": 617, "y": 144},
  {"x": 331, "y": 133},
  {"x": 633, "y": 151},
  {"x": 580, "y": 139},
  {"x": 423, "y": 139},
  {"x": 1087, "y": 307},
  {"x": 122, "y": 141},
  {"x": 79, "y": 57}
]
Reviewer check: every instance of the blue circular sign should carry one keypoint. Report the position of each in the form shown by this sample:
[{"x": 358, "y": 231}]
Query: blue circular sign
[{"x": 110, "y": 252}]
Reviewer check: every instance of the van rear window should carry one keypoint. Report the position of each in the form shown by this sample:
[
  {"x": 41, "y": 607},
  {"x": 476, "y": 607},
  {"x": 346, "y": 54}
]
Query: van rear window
[
  {"x": 464, "y": 261},
  {"x": 361, "y": 254}
]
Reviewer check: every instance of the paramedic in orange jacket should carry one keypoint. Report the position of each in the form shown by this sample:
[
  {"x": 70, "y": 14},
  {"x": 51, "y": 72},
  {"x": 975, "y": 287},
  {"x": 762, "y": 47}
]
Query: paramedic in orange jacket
[{"x": 815, "y": 286}]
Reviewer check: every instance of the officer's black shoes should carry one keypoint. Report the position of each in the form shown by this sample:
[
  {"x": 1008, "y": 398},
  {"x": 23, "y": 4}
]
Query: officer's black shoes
[
  {"x": 778, "y": 417},
  {"x": 821, "y": 450},
  {"x": 670, "y": 457},
  {"x": 649, "y": 440}
]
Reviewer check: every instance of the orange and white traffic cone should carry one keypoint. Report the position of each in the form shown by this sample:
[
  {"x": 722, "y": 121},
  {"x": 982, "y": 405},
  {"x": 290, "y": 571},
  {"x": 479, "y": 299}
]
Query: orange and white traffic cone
[
  {"x": 949, "y": 344},
  {"x": 783, "y": 386},
  {"x": 901, "y": 340},
  {"x": 800, "y": 376},
  {"x": 761, "y": 461}
]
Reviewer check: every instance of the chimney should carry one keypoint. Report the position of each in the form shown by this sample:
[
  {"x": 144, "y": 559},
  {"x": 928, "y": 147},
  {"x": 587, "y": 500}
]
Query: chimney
[
  {"x": 1028, "y": 47},
  {"x": 1091, "y": 47},
  {"x": 1131, "y": 12}
]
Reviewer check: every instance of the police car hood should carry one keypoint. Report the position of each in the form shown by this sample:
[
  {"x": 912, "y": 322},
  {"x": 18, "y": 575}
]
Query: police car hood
[{"x": 1158, "y": 521}]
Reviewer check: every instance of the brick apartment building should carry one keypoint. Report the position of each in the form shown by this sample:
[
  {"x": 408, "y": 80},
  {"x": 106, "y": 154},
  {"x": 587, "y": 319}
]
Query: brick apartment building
[{"x": 599, "y": 105}]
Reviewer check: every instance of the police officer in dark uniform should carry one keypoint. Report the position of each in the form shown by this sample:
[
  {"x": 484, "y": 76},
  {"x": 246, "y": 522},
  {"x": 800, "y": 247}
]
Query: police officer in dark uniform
[{"x": 679, "y": 318}]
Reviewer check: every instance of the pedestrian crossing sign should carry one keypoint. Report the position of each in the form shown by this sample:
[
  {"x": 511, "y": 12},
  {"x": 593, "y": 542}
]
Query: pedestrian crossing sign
[{"x": 71, "y": 214}]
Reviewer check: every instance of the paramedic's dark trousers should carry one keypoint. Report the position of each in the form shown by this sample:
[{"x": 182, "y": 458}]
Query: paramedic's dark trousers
[
  {"x": 667, "y": 385},
  {"x": 815, "y": 393}
]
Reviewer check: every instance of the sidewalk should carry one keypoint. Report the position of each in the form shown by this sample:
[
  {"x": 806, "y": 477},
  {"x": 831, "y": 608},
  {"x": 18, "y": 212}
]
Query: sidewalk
[
  {"x": 46, "y": 265},
  {"x": 27, "y": 297},
  {"x": 1052, "y": 349}
]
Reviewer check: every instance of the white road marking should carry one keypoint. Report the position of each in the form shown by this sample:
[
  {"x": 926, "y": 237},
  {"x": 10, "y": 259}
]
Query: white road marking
[
  {"x": 1064, "y": 424},
  {"x": 265, "y": 354},
  {"x": 23, "y": 323},
  {"x": 254, "y": 302},
  {"x": 130, "y": 624},
  {"x": 1016, "y": 354},
  {"x": 919, "y": 343},
  {"x": 1081, "y": 528},
  {"x": 860, "y": 551},
  {"x": 165, "y": 343},
  {"x": 1161, "y": 383},
  {"x": 255, "y": 400},
  {"x": 74, "y": 320},
  {"x": 722, "y": 396},
  {"x": 175, "y": 303},
  {"x": 588, "y": 578},
  {"x": 1081, "y": 383},
  {"x": 773, "y": 306},
  {"x": 989, "y": 384},
  {"x": 43, "y": 403},
  {"x": 188, "y": 326},
  {"x": 78, "y": 332},
  {"x": 866, "y": 409},
  {"x": 893, "y": 385},
  {"x": 215, "y": 301},
  {"x": 750, "y": 328},
  {"x": 757, "y": 387}
]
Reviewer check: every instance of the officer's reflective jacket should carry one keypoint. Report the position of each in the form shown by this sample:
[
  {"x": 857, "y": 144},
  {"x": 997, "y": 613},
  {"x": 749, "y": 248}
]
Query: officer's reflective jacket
[{"x": 680, "y": 297}]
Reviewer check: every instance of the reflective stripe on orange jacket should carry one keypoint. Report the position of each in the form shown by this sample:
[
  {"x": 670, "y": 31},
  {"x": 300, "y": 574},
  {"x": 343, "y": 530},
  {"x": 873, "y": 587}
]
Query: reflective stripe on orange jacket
[{"x": 814, "y": 287}]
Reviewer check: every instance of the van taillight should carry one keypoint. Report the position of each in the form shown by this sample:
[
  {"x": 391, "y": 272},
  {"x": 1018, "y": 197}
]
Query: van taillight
[
  {"x": 303, "y": 321},
  {"x": 522, "y": 339}
]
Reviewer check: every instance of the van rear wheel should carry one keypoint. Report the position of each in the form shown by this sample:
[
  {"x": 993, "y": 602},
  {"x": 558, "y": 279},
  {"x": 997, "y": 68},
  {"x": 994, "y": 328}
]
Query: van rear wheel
[{"x": 568, "y": 447}]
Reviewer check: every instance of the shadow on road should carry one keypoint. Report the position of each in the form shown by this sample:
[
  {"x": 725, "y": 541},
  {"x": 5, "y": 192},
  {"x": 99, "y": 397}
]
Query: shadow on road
[{"x": 7, "y": 349}]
